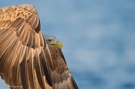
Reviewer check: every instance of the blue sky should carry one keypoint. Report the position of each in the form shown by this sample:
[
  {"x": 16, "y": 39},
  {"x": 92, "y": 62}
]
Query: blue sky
[{"x": 98, "y": 38}]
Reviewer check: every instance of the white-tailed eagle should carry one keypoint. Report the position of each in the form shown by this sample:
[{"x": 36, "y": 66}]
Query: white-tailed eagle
[{"x": 28, "y": 59}]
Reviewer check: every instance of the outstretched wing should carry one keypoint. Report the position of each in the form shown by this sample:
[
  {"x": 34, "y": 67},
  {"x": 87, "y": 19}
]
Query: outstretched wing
[
  {"x": 22, "y": 56},
  {"x": 61, "y": 77}
]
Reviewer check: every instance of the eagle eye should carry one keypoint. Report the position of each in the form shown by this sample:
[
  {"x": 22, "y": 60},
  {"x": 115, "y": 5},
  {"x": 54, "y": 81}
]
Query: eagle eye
[{"x": 49, "y": 40}]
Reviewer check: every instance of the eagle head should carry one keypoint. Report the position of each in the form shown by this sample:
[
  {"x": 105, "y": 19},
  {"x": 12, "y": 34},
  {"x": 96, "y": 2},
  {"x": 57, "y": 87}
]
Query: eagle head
[{"x": 53, "y": 41}]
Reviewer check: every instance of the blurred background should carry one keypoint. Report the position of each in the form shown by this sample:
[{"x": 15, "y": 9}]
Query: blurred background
[{"x": 98, "y": 38}]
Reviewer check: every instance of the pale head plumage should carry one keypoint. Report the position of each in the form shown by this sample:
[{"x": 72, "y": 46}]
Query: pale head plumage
[{"x": 53, "y": 41}]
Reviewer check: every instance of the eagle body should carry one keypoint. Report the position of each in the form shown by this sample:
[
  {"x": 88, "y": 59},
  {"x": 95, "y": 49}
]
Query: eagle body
[{"x": 28, "y": 60}]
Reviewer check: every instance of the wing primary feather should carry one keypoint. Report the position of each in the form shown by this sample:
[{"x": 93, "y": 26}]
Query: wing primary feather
[
  {"x": 23, "y": 65},
  {"x": 15, "y": 80},
  {"x": 45, "y": 68},
  {"x": 42, "y": 42},
  {"x": 48, "y": 56},
  {"x": 31, "y": 70},
  {"x": 14, "y": 55},
  {"x": 39, "y": 70}
]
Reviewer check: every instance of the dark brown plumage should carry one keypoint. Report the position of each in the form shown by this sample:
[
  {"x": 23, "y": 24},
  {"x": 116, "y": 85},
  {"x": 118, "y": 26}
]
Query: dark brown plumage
[{"x": 27, "y": 59}]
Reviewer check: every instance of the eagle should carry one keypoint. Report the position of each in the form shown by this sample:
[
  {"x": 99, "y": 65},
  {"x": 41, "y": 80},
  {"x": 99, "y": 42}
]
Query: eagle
[{"x": 28, "y": 58}]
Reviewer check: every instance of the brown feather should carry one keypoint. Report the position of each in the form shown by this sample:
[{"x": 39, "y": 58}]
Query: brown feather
[
  {"x": 31, "y": 70},
  {"x": 23, "y": 70},
  {"x": 39, "y": 70}
]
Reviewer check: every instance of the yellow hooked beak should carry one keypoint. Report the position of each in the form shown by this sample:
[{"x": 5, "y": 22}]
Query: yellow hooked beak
[{"x": 57, "y": 44}]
